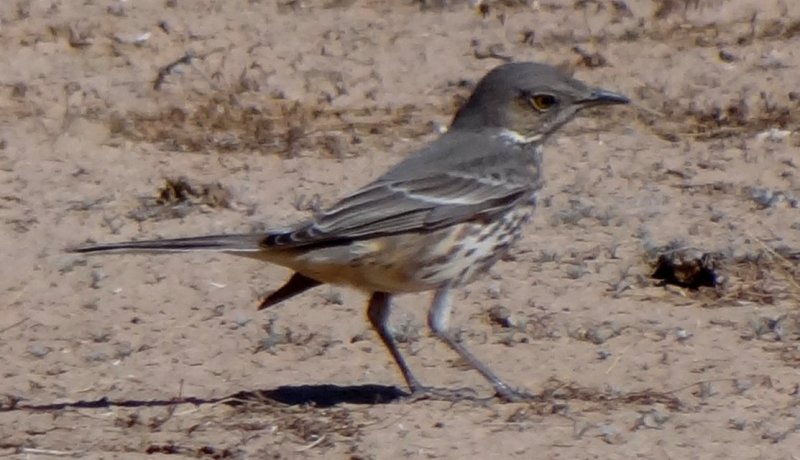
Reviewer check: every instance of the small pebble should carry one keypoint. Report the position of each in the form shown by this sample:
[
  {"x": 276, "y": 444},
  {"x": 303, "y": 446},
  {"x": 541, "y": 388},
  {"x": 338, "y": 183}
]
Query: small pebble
[
  {"x": 38, "y": 350},
  {"x": 501, "y": 316},
  {"x": 123, "y": 350},
  {"x": 682, "y": 334},
  {"x": 737, "y": 424},
  {"x": 96, "y": 356},
  {"x": 97, "y": 276}
]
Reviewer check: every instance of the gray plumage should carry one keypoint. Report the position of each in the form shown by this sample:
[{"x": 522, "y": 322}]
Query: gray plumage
[{"x": 432, "y": 222}]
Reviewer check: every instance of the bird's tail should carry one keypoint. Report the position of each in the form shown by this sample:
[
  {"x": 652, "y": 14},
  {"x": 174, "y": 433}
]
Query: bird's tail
[{"x": 241, "y": 243}]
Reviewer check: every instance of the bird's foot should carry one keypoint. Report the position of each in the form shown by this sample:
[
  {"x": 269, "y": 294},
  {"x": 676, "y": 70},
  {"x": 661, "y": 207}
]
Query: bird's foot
[
  {"x": 420, "y": 392},
  {"x": 506, "y": 394},
  {"x": 509, "y": 394}
]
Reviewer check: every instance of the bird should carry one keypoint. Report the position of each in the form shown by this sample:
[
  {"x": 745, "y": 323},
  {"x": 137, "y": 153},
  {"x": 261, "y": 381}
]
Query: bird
[{"x": 434, "y": 222}]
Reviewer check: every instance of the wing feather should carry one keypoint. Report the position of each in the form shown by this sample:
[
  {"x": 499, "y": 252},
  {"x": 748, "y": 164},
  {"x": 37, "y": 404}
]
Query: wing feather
[{"x": 414, "y": 200}]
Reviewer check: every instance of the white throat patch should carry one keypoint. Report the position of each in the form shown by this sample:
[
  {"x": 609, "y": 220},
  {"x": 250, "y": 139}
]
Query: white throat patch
[{"x": 516, "y": 138}]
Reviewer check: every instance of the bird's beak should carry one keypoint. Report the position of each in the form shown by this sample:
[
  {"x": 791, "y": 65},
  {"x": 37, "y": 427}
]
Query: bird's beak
[{"x": 603, "y": 97}]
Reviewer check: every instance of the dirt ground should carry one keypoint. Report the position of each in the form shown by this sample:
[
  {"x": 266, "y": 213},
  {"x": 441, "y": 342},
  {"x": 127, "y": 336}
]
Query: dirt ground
[{"x": 158, "y": 118}]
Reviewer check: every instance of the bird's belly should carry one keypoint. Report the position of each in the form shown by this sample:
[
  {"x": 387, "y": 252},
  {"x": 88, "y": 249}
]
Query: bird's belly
[
  {"x": 414, "y": 262},
  {"x": 473, "y": 248}
]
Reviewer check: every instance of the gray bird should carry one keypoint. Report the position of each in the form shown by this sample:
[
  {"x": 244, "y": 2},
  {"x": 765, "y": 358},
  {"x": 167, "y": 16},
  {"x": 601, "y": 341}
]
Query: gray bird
[{"x": 435, "y": 221}]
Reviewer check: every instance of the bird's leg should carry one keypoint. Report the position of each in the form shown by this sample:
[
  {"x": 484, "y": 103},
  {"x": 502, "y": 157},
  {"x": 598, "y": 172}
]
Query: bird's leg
[
  {"x": 438, "y": 317},
  {"x": 378, "y": 312},
  {"x": 380, "y": 305}
]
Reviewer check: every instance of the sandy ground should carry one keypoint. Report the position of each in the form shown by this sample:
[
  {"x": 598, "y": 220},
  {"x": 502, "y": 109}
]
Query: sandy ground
[{"x": 286, "y": 106}]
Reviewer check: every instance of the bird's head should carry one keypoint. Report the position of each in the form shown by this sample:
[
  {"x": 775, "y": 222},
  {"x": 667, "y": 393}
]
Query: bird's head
[{"x": 527, "y": 101}]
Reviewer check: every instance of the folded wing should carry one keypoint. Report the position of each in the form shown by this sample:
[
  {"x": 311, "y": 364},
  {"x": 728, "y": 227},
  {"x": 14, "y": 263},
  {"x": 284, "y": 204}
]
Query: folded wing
[{"x": 414, "y": 205}]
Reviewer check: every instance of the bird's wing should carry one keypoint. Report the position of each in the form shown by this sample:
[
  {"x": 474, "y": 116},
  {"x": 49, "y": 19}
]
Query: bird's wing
[{"x": 390, "y": 206}]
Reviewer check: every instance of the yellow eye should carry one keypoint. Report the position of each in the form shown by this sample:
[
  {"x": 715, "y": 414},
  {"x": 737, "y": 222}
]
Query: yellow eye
[{"x": 543, "y": 102}]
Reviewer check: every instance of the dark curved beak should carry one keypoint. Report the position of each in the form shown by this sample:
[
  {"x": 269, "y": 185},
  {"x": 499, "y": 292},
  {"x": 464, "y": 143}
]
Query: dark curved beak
[{"x": 603, "y": 97}]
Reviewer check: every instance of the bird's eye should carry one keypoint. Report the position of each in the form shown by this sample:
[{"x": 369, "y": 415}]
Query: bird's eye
[{"x": 543, "y": 102}]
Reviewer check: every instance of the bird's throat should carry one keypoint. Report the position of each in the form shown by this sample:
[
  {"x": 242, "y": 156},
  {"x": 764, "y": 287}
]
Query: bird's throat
[{"x": 513, "y": 137}]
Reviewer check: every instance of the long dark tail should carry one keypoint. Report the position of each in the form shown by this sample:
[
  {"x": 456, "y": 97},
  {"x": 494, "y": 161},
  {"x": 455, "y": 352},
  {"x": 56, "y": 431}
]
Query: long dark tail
[{"x": 247, "y": 242}]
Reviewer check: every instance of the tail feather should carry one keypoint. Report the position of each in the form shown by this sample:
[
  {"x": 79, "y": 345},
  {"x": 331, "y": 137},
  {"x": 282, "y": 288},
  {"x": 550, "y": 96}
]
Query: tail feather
[
  {"x": 246, "y": 242},
  {"x": 297, "y": 284}
]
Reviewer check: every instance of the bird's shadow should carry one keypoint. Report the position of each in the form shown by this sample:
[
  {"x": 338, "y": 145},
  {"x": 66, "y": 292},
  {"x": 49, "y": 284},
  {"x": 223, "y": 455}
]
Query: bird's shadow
[
  {"x": 322, "y": 395},
  {"x": 293, "y": 395}
]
